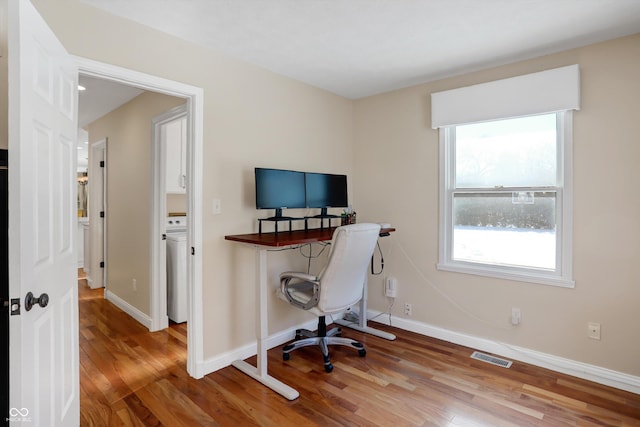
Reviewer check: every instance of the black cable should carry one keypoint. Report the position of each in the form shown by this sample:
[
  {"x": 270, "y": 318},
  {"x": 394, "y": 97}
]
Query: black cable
[{"x": 381, "y": 261}]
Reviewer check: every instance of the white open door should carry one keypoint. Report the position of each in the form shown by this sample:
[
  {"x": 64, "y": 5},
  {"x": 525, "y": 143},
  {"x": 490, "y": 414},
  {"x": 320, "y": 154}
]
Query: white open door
[{"x": 44, "y": 383}]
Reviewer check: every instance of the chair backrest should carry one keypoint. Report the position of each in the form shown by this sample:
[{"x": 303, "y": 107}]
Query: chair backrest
[{"x": 342, "y": 280}]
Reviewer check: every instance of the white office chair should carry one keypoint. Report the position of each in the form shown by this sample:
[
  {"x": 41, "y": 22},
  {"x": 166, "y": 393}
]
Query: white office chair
[{"x": 336, "y": 288}]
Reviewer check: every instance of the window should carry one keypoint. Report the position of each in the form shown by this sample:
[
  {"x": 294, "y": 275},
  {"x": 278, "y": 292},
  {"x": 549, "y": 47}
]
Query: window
[{"x": 505, "y": 205}]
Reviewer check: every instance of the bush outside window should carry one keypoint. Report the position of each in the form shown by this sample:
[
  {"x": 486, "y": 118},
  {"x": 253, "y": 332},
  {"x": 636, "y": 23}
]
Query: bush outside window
[{"x": 506, "y": 208}]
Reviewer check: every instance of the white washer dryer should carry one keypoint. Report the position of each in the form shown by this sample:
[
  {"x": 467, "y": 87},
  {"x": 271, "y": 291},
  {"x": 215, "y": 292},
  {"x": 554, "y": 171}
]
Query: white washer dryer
[{"x": 176, "y": 231}]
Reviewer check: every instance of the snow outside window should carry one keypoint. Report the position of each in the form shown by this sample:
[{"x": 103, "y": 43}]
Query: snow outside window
[{"x": 505, "y": 198}]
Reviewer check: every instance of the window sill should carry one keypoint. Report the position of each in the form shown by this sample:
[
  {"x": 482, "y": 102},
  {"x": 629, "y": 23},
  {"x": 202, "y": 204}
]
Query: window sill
[{"x": 488, "y": 271}]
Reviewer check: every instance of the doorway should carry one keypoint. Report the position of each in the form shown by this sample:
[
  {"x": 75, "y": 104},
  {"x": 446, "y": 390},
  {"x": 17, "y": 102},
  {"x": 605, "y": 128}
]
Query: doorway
[
  {"x": 169, "y": 137},
  {"x": 194, "y": 106}
]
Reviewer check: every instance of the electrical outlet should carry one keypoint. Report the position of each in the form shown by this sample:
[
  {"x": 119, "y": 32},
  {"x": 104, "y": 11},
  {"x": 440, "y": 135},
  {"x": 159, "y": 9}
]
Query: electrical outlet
[
  {"x": 407, "y": 309},
  {"x": 391, "y": 287},
  {"x": 594, "y": 330},
  {"x": 134, "y": 284}
]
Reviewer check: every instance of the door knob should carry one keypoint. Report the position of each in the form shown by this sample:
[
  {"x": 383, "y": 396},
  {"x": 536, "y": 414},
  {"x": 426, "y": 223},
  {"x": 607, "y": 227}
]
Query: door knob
[{"x": 30, "y": 301}]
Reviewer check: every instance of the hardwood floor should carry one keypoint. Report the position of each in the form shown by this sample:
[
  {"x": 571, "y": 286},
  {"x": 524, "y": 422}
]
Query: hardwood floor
[{"x": 131, "y": 377}]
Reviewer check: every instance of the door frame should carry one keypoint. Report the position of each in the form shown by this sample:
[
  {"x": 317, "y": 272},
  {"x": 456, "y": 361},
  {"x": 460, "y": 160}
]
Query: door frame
[
  {"x": 97, "y": 276},
  {"x": 194, "y": 97},
  {"x": 158, "y": 244}
]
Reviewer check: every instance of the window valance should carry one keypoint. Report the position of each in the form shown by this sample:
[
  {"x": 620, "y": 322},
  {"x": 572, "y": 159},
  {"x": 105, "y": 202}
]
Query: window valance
[{"x": 547, "y": 91}]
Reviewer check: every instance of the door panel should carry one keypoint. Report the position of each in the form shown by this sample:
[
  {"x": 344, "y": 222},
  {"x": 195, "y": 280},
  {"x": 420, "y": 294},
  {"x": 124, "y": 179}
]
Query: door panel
[
  {"x": 40, "y": 150},
  {"x": 44, "y": 386}
]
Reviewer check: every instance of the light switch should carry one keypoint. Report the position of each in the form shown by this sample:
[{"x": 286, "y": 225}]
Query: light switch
[{"x": 217, "y": 206}]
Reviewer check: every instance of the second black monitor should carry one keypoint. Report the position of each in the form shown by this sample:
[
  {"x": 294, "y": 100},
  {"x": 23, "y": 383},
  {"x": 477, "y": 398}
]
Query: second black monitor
[{"x": 326, "y": 190}]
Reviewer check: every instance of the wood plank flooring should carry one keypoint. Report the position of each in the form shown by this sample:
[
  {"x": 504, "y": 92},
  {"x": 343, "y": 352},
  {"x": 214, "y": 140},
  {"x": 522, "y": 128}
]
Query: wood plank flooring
[{"x": 130, "y": 377}]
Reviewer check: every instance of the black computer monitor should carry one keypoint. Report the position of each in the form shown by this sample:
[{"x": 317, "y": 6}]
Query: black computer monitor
[
  {"x": 279, "y": 189},
  {"x": 326, "y": 191}
]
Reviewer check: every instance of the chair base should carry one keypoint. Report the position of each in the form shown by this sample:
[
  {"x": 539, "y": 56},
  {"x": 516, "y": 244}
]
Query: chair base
[{"x": 305, "y": 338}]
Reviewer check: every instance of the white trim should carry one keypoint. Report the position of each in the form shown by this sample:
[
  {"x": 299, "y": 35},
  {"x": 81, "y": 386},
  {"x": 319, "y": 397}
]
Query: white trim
[
  {"x": 502, "y": 273},
  {"x": 160, "y": 320},
  {"x": 127, "y": 308},
  {"x": 225, "y": 359},
  {"x": 571, "y": 367},
  {"x": 445, "y": 228},
  {"x": 582, "y": 370},
  {"x": 195, "y": 149},
  {"x": 96, "y": 276},
  {"x": 195, "y": 104},
  {"x": 566, "y": 210},
  {"x": 543, "y": 92}
]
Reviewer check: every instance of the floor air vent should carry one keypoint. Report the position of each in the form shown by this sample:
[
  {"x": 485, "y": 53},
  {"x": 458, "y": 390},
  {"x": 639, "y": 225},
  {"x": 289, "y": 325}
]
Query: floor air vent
[{"x": 491, "y": 359}]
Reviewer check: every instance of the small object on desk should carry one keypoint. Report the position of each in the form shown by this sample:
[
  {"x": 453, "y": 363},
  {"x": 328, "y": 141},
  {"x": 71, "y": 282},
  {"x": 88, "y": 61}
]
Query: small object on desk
[{"x": 348, "y": 217}]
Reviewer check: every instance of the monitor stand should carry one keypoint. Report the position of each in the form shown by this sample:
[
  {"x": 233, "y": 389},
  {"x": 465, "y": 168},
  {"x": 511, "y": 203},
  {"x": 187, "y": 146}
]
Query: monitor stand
[
  {"x": 322, "y": 215},
  {"x": 278, "y": 217}
]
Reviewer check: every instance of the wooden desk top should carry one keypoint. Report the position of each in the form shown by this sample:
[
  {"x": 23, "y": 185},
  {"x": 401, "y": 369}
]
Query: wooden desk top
[{"x": 288, "y": 238}]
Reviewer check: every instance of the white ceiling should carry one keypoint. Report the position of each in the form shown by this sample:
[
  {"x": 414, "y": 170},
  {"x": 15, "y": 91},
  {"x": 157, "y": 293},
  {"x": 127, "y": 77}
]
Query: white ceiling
[
  {"x": 101, "y": 97},
  {"x": 357, "y": 48}
]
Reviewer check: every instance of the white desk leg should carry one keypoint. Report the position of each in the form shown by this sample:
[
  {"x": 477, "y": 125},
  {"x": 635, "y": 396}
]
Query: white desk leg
[
  {"x": 362, "y": 319},
  {"x": 259, "y": 372}
]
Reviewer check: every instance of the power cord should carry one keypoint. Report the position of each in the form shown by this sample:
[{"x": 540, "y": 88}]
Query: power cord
[
  {"x": 301, "y": 249},
  {"x": 311, "y": 256},
  {"x": 388, "y": 312},
  {"x": 381, "y": 261}
]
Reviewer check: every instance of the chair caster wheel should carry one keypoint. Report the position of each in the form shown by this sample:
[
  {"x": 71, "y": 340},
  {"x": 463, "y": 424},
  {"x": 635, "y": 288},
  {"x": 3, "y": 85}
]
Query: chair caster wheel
[
  {"x": 286, "y": 356},
  {"x": 362, "y": 353},
  {"x": 328, "y": 368}
]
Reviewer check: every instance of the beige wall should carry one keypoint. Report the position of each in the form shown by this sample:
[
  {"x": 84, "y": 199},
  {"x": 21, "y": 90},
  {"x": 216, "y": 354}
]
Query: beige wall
[
  {"x": 385, "y": 144},
  {"x": 176, "y": 203},
  {"x": 252, "y": 117},
  {"x": 397, "y": 181},
  {"x": 129, "y": 193}
]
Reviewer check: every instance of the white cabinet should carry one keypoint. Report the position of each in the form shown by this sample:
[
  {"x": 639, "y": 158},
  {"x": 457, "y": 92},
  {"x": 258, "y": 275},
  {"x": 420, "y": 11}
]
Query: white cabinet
[
  {"x": 83, "y": 224},
  {"x": 85, "y": 248},
  {"x": 174, "y": 137}
]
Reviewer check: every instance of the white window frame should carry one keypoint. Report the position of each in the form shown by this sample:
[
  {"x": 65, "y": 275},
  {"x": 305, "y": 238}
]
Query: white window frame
[{"x": 563, "y": 274}]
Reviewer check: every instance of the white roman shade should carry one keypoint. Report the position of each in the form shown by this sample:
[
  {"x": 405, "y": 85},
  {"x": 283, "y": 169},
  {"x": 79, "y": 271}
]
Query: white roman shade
[{"x": 543, "y": 92}]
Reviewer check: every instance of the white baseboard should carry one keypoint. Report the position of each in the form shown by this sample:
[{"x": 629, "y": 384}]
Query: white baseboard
[
  {"x": 582, "y": 370},
  {"x": 223, "y": 360},
  {"x": 144, "y": 319}
]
